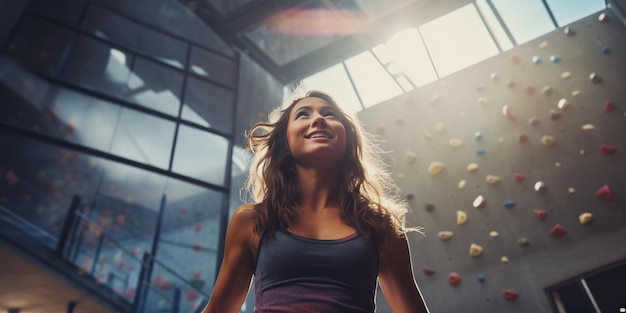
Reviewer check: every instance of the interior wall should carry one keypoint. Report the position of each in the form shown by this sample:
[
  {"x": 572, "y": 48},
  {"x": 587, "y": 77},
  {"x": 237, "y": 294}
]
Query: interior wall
[{"x": 469, "y": 106}]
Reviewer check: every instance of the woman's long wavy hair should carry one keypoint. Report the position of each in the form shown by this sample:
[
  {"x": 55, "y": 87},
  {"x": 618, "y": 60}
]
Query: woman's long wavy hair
[{"x": 368, "y": 196}]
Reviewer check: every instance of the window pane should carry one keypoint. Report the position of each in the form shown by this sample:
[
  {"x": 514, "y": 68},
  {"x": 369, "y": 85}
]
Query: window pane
[
  {"x": 525, "y": 19},
  {"x": 110, "y": 26},
  {"x": 458, "y": 40},
  {"x": 39, "y": 45},
  {"x": 155, "y": 86},
  {"x": 494, "y": 25},
  {"x": 410, "y": 57},
  {"x": 143, "y": 138},
  {"x": 213, "y": 66},
  {"x": 209, "y": 105},
  {"x": 97, "y": 66},
  {"x": 372, "y": 81},
  {"x": 200, "y": 155},
  {"x": 568, "y": 11},
  {"x": 334, "y": 81}
]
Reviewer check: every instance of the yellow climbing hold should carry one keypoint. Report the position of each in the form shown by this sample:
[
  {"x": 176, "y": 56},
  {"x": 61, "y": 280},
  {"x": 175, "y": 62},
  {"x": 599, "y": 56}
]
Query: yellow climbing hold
[
  {"x": 462, "y": 184},
  {"x": 461, "y": 217},
  {"x": 410, "y": 157},
  {"x": 455, "y": 143},
  {"x": 504, "y": 259},
  {"x": 548, "y": 140},
  {"x": 566, "y": 75},
  {"x": 492, "y": 179},
  {"x": 472, "y": 167},
  {"x": 494, "y": 234},
  {"x": 585, "y": 218},
  {"x": 445, "y": 235},
  {"x": 435, "y": 168},
  {"x": 475, "y": 250},
  {"x": 588, "y": 127}
]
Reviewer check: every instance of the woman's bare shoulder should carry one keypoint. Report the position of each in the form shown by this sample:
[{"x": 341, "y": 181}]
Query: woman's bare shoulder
[{"x": 244, "y": 217}]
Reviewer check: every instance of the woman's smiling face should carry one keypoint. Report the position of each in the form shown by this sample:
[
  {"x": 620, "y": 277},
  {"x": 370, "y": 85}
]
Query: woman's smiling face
[{"x": 315, "y": 132}]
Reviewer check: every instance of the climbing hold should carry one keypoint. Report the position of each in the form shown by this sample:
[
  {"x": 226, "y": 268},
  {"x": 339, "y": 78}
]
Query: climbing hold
[
  {"x": 540, "y": 214},
  {"x": 605, "y": 193},
  {"x": 533, "y": 120},
  {"x": 481, "y": 278},
  {"x": 445, "y": 235},
  {"x": 461, "y": 217},
  {"x": 588, "y": 127},
  {"x": 493, "y": 76},
  {"x": 510, "y": 83},
  {"x": 595, "y": 78},
  {"x": 482, "y": 101},
  {"x": 475, "y": 250},
  {"x": 492, "y": 179},
  {"x": 454, "y": 278},
  {"x": 472, "y": 167},
  {"x": 435, "y": 168},
  {"x": 540, "y": 187},
  {"x": 515, "y": 58},
  {"x": 429, "y": 271},
  {"x": 478, "y": 136},
  {"x": 480, "y": 151},
  {"x": 455, "y": 143},
  {"x": 568, "y": 31},
  {"x": 479, "y": 202},
  {"x": 519, "y": 177},
  {"x": 554, "y": 115},
  {"x": 427, "y": 134},
  {"x": 399, "y": 121},
  {"x": 494, "y": 234},
  {"x": 381, "y": 128},
  {"x": 509, "y": 294},
  {"x": 606, "y": 50},
  {"x": 555, "y": 58},
  {"x": 434, "y": 98},
  {"x": 609, "y": 106},
  {"x": 543, "y": 45},
  {"x": 500, "y": 139},
  {"x": 582, "y": 152},
  {"x": 429, "y": 207},
  {"x": 563, "y": 104},
  {"x": 523, "y": 241},
  {"x": 546, "y": 90},
  {"x": 585, "y": 218},
  {"x": 558, "y": 230},
  {"x": 401, "y": 176},
  {"x": 523, "y": 138},
  {"x": 548, "y": 140},
  {"x": 529, "y": 89},
  {"x": 410, "y": 157},
  {"x": 566, "y": 75},
  {"x": 557, "y": 164},
  {"x": 509, "y": 204},
  {"x": 409, "y": 197},
  {"x": 439, "y": 127},
  {"x": 603, "y": 17},
  {"x": 508, "y": 111},
  {"x": 571, "y": 190},
  {"x": 504, "y": 259},
  {"x": 607, "y": 149},
  {"x": 536, "y": 59},
  {"x": 480, "y": 87},
  {"x": 462, "y": 184},
  {"x": 576, "y": 93}
]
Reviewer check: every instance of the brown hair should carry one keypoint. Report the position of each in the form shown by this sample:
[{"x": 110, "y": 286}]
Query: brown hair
[{"x": 368, "y": 195}]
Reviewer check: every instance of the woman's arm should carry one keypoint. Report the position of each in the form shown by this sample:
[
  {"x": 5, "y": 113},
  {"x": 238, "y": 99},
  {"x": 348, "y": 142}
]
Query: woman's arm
[
  {"x": 233, "y": 280},
  {"x": 395, "y": 274}
]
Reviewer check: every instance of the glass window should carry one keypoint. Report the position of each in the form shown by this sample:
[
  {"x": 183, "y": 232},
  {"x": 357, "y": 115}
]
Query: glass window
[
  {"x": 372, "y": 81},
  {"x": 85, "y": 120},
  {"x": 201, "y": 155},
  {"x": 97, "y": 66},
  {"x": 525, "y": 19},
  {"x": 568, "y": 11},
  {"x": 110, "y": 26},
  {"x": 409, "y": 56},
  {"x": 209, "y": 105},
  {"x": 155, "y": 86},
  {"x": 67, "y": 11},
  {"x": 458, "y": 40},
  {"x": 39, "y": 45},
  {"x": 494, "y": 25},
  {"x": 213, "y": 66},
  {"x": 143, "y": 138},
  {"x": 335, "y": 81}
]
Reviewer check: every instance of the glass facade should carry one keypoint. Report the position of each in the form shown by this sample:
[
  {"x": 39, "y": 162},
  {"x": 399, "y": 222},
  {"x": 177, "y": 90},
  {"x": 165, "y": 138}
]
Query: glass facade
[{"x": 136, "y": 123}]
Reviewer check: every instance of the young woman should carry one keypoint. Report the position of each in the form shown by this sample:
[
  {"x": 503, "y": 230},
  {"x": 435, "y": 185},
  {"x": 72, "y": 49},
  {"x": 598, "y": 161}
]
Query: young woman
[{"x": 325, "y": 225}]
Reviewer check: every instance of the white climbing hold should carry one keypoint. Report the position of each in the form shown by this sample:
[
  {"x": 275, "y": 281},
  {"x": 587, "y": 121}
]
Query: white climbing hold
[
  {"x": 588, "y": 127},
  {"x": 462, "y": 184},
  {"x": 410, "y": 157},
  {"x": 585, "y": 218},
  {"x": 472, "y": 167},
  {"x": 492, "y": 179},
  {"x": 455, "y": 143},
  {"x": 548, "y": 140},
  {"x": 427, "y": 134},
  {"x": 439, "y": 127},
  {"x": 475, "y": 250},
  {"x": 563, "y": 104},
  {"x": 504, "y": 259},
  {"x": 494, "y": 234},
  {"x": 576, "y": 93},
  {"x": 461, "y": 217},
  {"x": 566, "y": 75},
  {"x": 571, "y": 190},
  {"x": 543, "y": 45},
  {"x": 479, "y": 202},
  {"x": 435, "y": 168},
  {"x": 445, "y": 235}
]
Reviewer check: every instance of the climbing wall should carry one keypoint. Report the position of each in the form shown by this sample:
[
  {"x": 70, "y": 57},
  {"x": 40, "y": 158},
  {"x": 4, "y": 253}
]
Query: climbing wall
[{"x": 515, "y": 168}]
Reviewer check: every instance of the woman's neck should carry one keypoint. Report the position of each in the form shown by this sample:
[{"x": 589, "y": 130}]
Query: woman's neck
[{"x": 319, "y": 189}]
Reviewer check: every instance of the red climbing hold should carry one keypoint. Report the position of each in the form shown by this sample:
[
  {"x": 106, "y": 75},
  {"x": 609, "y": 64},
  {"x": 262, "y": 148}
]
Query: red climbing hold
[
  {"x": 607, "y": 149},
  {"x": 519, "y": 177},
  {"x": 558, "y": 230},
  {"x": 605, "y": 193},
  {"x": 454, "y": 278},
  {"x": 429, "y": 271},
  {"x": 523, "y": 138},
  {"x": 609, "y": 106},
  {"x": 509, "y": 294},
  {"x": 540, "y": 214}
]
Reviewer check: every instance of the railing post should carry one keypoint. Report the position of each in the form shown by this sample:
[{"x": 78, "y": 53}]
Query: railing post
[{"x": 70, "y": 220}]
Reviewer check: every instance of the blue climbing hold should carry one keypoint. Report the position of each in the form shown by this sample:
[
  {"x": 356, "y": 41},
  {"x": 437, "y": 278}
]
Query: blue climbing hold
[
  {"x": 606, "y": 49},
  {"x": 481, "y": 278},
  {"x": 537, "y": 59},
  {"x": 478, "y": 136},
  {"x": 555, "y": 58},
  {"x": 480, "y": 151},
  {"x": 509, "y": 204}
]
